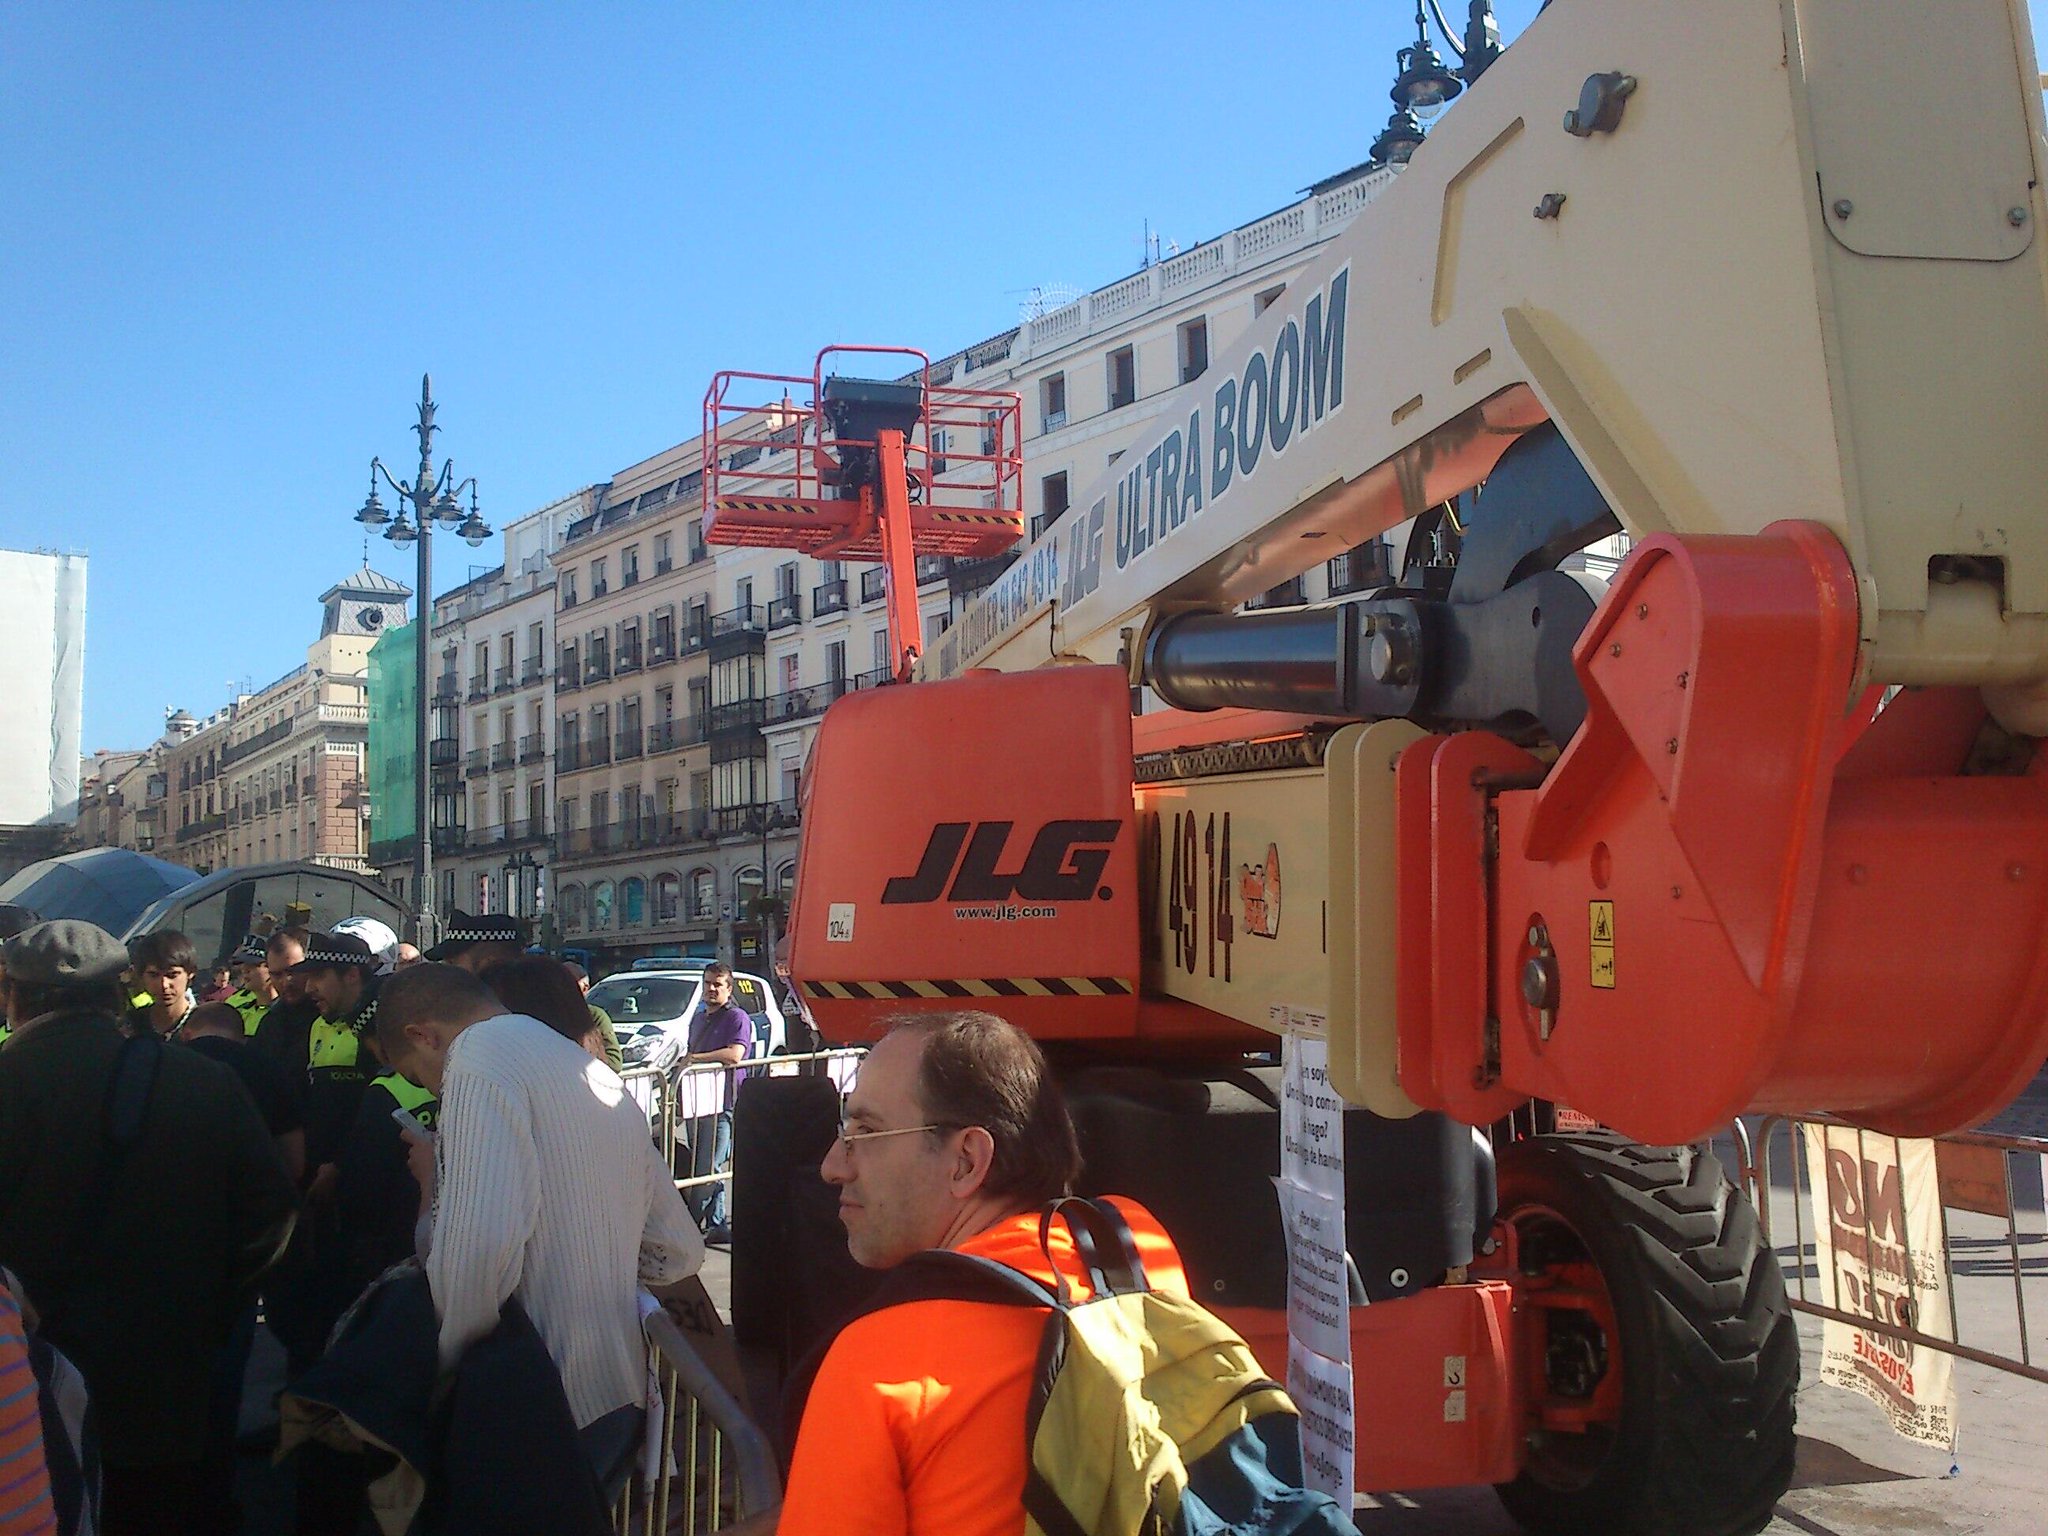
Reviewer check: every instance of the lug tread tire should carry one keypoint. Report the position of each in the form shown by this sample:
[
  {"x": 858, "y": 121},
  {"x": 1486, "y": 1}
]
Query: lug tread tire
[{"x": 1709, "y": 1349}]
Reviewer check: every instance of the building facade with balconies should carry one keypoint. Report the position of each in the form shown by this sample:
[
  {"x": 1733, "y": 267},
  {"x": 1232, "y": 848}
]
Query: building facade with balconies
[
  {"x": 492, "y": 699},
  {"x": 279, "y": 774},
  {"x": 1096, "y": 372},
  {"x": 124, "y": 798},
  {"x": 639, "y": 619}
]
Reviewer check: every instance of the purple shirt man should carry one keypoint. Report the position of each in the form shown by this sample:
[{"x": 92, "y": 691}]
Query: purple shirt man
[{"x": 723, "y": 1033}]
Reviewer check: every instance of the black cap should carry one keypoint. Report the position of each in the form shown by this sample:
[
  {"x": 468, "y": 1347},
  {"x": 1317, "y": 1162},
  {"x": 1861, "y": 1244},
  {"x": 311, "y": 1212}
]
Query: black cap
[
  {"x": 465, "y": 932},
  {"x": 65, "y": 953},
  {"x": 338, "y": 951},
  {"x": 250, "y": 951}
]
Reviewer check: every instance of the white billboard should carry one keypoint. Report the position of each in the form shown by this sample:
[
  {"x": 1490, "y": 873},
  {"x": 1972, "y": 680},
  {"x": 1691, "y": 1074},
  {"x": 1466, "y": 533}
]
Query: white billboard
[{"x": 42, "y": 686}]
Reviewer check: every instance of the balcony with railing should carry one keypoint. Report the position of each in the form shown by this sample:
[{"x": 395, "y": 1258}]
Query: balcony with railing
[
  {"x": 696, "y": 633},
  {"x": 661, "y": 647},
  {"x": 569, "y": 677},
  {"x": 507, "y": 835},
  {"x": 575, "y": 754},
  {"x": 479, "y": 686},
  {"x": 930, "y": 568},
  {"x": 501, "y": 680},
  {"x": 663, "y": 566},
  {"x": 532, "y": 670},
  {"x": 740, "y": 716},
  {"x": 785, "y": 610},
  {"x": 1288, "y": 594},
  {"x": 502, "y": 753},
  {"x": 874, "y": 585},
  {"x": 476, "y": 763},
  {"x": 627, "y": 659},
  {"x": 828, "y": 597},
  {"x": 276, "y": 800},
  {"x": 737, "y": 631},
  {"x": 249, "y": 748},
  {"x": 447, "y": 687},
  {"x": 597, "y": 667},
  {"x": 205, "y": 826},
  {"x": 774, "y": 817},
  {"x": 968, "y": 577},
  {"x": 802, "y": 703},
  {"x": 1360, "y": 570},
  {"x": 674, "y": 735},
  {"x": 629, "y": 744},
  {"x": 532, "y": 747},
  {"x": 443, "y": 752}
]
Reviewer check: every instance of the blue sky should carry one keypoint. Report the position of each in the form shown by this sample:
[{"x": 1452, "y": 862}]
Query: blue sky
[{"x": 236, "y": 235}]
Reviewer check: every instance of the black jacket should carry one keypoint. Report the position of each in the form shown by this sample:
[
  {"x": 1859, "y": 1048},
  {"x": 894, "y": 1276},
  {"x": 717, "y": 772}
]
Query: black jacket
[
  {"x": 199, "y": 1207},
  {"x": 496, "y": 1456}
]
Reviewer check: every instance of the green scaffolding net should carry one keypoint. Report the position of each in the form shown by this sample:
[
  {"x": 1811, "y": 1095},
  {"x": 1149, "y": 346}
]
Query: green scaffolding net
[{"x": 394, "y": 755}]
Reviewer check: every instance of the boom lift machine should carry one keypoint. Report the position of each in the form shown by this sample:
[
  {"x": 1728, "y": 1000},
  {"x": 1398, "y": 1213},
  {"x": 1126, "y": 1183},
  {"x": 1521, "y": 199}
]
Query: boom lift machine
[{"x": 1759, "y": 826}]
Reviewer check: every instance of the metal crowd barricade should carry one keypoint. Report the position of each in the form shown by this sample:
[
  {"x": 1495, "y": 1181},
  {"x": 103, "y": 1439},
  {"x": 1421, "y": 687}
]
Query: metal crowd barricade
[
  {"x": 1975, "y": 1176},
  {"x": 707, "y": 1464},
  {"x": 695, "y": 1091}
]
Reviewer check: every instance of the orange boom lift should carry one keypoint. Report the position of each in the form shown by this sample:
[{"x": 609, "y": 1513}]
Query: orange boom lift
[{"x": 1759, "y": 824}]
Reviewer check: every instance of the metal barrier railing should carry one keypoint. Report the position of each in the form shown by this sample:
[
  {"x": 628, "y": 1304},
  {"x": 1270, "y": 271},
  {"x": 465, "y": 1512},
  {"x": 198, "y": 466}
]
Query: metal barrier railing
[
  {"x": 1979, "y": 1177},
  {"x": 675, "y": 1096},
  {"x": 707, "y": 1464}
]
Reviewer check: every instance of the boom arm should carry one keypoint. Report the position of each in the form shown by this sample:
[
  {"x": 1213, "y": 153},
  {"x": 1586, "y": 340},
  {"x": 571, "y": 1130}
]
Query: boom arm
[{"x": 1775, "y": 289}]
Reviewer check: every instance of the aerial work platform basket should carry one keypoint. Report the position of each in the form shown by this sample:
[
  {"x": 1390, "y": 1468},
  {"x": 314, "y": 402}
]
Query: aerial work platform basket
[{"x": 840, "y": 466}]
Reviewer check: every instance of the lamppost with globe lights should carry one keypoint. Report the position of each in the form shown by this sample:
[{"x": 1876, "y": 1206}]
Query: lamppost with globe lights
[
  {"x": 1424, "y": 86},
  {"x": 431, "y": 497}
]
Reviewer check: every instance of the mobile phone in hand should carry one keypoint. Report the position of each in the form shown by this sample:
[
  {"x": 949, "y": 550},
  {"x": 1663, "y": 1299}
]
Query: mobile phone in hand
[{"x": 407, "y": 1120}]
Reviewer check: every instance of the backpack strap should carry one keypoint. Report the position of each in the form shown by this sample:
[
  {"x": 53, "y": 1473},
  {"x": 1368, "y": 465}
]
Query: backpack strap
[{"x": 1103, "y": 1241}]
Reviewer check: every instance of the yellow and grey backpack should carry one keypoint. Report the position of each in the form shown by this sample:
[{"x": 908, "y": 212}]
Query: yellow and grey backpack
[{"x": 1148, "y": 1416}]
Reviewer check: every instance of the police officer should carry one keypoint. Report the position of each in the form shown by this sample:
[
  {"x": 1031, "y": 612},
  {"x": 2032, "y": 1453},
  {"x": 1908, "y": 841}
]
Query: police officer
[
  {"x": 340, "y": 972},
  {"x": 286, "y": 1029},
  {"x": 376, "y": 1197},
  {"x": 311, "y": 1288},
  {"x": 253, "y": 997}
]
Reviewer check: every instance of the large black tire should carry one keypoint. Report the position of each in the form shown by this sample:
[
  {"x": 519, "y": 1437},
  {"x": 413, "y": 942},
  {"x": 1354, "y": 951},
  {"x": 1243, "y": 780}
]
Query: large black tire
[{"x": 1709, "y": 1354}]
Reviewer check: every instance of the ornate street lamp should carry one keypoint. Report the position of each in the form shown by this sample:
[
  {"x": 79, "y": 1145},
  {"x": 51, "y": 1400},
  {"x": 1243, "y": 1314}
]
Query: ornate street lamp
[
  {"x": 430, "y": 497},
  {"x": 1424, "y": 86}
]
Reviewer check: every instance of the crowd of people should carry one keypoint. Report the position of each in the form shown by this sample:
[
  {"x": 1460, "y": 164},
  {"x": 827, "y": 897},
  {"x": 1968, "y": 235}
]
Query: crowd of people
[
  {"x": 179, "y": 1149},
  {"x": 427, "y": 1174}
]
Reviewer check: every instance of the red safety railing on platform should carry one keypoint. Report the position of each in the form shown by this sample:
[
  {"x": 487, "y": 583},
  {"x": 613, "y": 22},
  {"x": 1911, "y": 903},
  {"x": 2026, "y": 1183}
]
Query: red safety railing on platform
[{"x": 772, "y": 463}]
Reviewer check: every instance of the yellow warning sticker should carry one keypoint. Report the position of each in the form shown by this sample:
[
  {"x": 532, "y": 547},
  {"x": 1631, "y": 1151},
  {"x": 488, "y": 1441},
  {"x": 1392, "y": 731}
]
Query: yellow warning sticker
[{"x": 1601, "y": 924}]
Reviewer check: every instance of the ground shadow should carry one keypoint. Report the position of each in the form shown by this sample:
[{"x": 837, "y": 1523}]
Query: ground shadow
[{"x": 1820, "y": 1464}]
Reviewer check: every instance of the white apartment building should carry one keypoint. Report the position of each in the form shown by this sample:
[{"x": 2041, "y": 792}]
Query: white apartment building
[{"x": 493, "y": 702}]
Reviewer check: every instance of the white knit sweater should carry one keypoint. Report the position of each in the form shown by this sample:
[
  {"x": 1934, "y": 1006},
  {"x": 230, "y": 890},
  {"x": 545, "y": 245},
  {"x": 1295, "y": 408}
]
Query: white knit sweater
[{"x": 551, "y": 1190}]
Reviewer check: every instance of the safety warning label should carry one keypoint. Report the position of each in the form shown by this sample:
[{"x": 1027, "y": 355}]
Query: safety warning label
[{"x": 1601, "y": 921}]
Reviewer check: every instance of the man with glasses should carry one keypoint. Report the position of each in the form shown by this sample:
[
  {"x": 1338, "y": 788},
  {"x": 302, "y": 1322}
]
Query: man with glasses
[{"x": 955, "y": 1136}]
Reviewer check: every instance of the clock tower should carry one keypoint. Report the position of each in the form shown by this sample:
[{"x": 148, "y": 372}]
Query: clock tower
[{"x": 365, "y": 604}]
